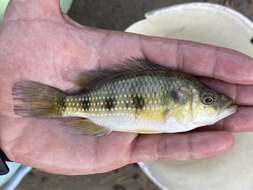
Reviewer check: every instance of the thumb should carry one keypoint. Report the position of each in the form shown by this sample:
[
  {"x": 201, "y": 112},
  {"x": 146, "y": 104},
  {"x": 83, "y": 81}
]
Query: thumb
[{"x": 32, "y": 9}]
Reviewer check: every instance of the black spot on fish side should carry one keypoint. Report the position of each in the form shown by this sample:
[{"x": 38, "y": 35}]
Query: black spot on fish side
[
  {"x": 177, "y": 96},
  {"x": 110, "y": 103},
  {"x": 174, "y": 94},
  {"x": 61, "y": 102},
  {"x": 85, "y": 104},
  {"x": 138, "y": 102}
]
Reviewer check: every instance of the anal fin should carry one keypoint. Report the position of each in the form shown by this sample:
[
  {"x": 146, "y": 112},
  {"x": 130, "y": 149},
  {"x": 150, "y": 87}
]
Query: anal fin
[{"x": 86, "y": 126}]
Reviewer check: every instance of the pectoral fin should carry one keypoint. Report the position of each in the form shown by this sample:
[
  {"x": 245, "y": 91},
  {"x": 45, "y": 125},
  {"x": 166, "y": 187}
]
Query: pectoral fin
[{"x": 86, "y": 126}]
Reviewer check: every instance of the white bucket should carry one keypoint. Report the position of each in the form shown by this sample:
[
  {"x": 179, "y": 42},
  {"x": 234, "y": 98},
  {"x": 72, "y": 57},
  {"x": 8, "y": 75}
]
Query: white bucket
[{"x": 221, "y": 26}]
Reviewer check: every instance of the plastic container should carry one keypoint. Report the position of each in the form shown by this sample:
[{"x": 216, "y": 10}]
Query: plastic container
[{"x": 221, "y": 26}]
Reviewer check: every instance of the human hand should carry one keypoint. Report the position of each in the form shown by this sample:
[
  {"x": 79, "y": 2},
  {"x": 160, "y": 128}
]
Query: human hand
[{"x": 38, "y": 43}]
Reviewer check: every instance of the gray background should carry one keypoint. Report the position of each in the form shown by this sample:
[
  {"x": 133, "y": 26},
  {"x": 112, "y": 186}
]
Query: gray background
[{"x": 116, "y": 15}]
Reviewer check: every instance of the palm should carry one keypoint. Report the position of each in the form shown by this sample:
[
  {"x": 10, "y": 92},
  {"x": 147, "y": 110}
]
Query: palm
[{"x": 46, "y": 48}]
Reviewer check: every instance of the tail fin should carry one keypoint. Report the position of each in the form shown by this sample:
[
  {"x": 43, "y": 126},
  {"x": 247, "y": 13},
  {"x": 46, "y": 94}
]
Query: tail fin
[{"x": 36, "y": 99}]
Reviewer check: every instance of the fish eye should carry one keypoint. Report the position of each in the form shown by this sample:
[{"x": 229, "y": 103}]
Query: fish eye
[{"x": 207, "y": 98}]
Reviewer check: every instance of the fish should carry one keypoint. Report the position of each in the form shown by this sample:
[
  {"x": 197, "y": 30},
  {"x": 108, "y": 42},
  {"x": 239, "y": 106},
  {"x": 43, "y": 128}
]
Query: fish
[{"x": 136, "y": 96}]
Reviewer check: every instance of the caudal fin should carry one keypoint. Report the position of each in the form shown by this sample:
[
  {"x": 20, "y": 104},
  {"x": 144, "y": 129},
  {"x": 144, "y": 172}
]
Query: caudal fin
[{"x": 38, "y": 100}]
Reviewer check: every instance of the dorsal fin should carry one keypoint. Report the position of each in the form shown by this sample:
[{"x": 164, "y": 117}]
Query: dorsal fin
[{"x": 127, "y": 67}]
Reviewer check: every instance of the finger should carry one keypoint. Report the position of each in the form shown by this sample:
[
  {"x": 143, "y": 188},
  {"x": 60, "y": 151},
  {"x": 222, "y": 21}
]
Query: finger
[
  {"x": 195, "y": 58},
  {"x": 241, "y": 94},
  {"x": 32, "y": 9},
  {"x": 199, "y": 59},
  {"x": 241, "y": 121},
  {"x": 186, "y": 146}
]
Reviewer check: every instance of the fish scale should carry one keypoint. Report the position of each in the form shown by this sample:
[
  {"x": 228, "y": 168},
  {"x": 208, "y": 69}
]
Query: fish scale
[{"x": 144, "y": 92}]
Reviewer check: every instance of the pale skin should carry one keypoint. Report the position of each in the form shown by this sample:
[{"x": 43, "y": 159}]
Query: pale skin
[{"x": 38, "y": 43}]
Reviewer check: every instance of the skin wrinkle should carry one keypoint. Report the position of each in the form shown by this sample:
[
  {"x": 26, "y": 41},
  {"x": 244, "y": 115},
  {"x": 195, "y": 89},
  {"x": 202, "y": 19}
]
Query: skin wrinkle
[
  {"x": 142, "y": 50},
  {"x": 214, "y": 68},
  {"x": 56, "y": 70},
  {"x": 180, "y": 56},
  {"x": 177, "y": 54},
  {"x": 190, "y": 148},
  {"x": 158, "y": 151},
  {"x": 162, "y": 148},
  {"x": 101, "y": 50},
  {"x": 235, "y": 93},
  {"x": 95, "y": 161},
  {"x": 155, "y": 154},
  {"x": 132, "y": 149},
  {"x": 221, "y": 125}
]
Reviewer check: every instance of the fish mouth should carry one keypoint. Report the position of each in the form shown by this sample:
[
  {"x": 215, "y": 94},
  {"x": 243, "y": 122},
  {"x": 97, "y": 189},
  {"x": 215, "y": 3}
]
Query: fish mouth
[
  {"x": 229, "y": 105},
  {"x": 227, "y": 110},
  {"x": 232, "y": 108}
]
